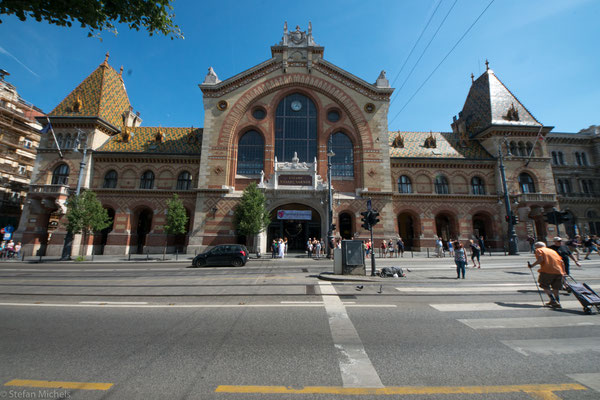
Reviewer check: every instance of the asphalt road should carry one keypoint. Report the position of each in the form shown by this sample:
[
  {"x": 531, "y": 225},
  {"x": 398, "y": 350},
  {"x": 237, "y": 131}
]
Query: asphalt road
[{"x": 273, "y": 330}]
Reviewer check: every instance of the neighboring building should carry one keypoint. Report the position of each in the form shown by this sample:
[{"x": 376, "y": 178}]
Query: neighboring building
[
  {"x": 19, "y": 139},
  {"x": 274, "y": 124}
]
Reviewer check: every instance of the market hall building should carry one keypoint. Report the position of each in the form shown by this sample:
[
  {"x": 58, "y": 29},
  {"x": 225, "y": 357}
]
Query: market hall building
[{"x": 274, "y": 124}]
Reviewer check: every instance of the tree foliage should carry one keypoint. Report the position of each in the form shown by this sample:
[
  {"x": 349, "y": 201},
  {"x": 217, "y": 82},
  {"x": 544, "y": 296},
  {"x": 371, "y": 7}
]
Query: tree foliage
[
  {"x": 97, "y": 15},
  {"x": 85, "y": 214},
  {"x": 176, "y": 217},
  {"x": 251, "y": 216}
]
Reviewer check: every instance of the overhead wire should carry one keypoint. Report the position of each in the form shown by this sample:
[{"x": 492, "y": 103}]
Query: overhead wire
[
  {"x": 416, "y": 43},
  {"x": 443, "y": 59},
  {"x": 423, "y": 52}
]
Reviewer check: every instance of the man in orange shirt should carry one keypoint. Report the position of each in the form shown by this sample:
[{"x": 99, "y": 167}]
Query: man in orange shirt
[{"x": 551, "y": 272}]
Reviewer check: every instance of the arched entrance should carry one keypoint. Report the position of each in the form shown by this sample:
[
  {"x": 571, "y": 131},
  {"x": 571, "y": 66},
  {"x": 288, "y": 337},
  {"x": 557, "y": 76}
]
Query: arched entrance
[
  {"x": 406, "y": 230},
  {"x": 144, "y": 225},
  {"x": 104, "y": 232},
  {"x": 345, "y": 226},
  {"x": 297, "y": 223},
  {"x": 445, "y": 226},
  {"x": 482, "y": 225}
]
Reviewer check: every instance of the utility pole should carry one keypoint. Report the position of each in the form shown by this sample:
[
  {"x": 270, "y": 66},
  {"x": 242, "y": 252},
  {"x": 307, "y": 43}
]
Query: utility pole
[
  {"x": 330, "y": 154},
  {"x": 512, "y": 235}
]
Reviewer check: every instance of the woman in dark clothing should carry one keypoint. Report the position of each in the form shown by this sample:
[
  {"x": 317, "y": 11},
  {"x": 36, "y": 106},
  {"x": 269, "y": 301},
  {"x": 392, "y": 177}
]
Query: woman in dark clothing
[{"x": 475, "y": 254}]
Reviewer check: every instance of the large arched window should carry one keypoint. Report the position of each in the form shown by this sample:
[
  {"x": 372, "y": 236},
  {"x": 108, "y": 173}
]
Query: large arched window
[
  {"x": 110, "y": 179},
  {"x": 60, "y": 175},
  {"x": 184, "y": 181},
  {"x": 147, "y": 180},
  {"x": 477, "y": 185},
  {"x": 251, "y": 153},
  {"x": 441, "y": 185},
  {"x": 296, "y": 129},
  {"x": 342, "y": 163},
  {"x": 526, "y": 183},
  {"x": 404, "y": 184}
]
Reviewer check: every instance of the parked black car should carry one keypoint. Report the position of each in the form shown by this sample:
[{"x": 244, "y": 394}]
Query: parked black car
[{"x": 235, "y": 255}]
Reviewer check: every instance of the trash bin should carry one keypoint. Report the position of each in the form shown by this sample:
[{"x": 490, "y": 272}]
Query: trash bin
[{"x": 353, "y": 257}]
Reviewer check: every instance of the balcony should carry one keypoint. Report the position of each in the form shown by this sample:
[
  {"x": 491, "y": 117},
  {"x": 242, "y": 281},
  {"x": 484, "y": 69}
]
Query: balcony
[
  {"x": 536, "y": 198},
  {"x": 52, "y": 190}
]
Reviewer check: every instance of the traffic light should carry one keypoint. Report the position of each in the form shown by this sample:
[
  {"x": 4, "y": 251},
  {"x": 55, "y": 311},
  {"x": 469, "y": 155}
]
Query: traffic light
[
  {"x": 564, "y": 216},
  {"x": 550, "y": 217},
  {"x": 373, "y": 220},
  {"x": 366, "y": 216},
  {"x": 515, "y": 219},
  {"x": 507, "y": 218}
]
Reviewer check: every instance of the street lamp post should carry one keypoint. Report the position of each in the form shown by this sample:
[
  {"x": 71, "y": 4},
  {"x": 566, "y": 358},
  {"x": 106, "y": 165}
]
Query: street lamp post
[
  {"x": 512, "y": 235},
  {"x": 330, "y": 154}
]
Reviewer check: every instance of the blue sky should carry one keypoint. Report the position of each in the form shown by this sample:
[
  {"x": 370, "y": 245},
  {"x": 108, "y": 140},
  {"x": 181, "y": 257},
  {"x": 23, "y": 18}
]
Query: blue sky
[{"x": 545, "y": 51}]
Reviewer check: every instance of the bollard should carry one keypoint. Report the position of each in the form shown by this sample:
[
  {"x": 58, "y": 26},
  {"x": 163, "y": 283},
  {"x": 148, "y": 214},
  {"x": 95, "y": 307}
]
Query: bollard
[
  {"x": 40, "y": 257},
  {"x": 23, "y": 256},
  {"x": 428, "y": 252},
  {"x": 176, "y": 254},
  {"x": 412, "y": 254},
  {"x": 129, "y": 257},
  {"x": 164, "y": 253},
  {"x": 505, "y": 251},
  {"x": 93, "y": 255},
  {"x": 147, "y": 255}
]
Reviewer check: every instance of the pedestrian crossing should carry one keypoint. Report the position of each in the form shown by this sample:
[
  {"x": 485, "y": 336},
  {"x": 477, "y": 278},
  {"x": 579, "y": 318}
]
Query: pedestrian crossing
[{"x": 472, "y": 288}]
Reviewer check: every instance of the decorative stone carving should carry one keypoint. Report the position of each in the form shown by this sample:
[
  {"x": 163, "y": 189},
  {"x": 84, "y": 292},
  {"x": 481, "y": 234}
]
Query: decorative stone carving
[
  {"x": 512, "y": 114},
  {"x": 211, "y": 77},
  {"x": 382, "y": 81},
  {"x": 398, "y": 142},
  {"x": 430, "y": 142}
]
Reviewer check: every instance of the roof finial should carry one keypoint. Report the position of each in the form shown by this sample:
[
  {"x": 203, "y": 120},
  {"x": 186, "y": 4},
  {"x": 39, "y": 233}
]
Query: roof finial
[
  {"x": 121, "y": 71},
  {"x": 106, "y": 58},
  {"x": 487, "y": 65},
  {"x": 472, "y": 77}
]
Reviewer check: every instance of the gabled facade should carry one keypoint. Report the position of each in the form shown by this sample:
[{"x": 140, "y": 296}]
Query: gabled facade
[{"x": 275, "y": 124}]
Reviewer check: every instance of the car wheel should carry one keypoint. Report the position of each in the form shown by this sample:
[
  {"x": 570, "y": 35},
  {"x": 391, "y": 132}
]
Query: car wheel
[
  {"x": 200, "y": 262},
  {"x": 236, "y": 262}
]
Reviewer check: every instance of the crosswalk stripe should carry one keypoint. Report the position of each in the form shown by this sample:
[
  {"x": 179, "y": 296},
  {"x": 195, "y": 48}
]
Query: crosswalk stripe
[
  {"x": 591, "y": 380},
  {"x": 530, "y": 322},
  {"x": 550, "y": 347},
  {"x": 515, "y": 306},
  {"x": 466, "y": 289}
]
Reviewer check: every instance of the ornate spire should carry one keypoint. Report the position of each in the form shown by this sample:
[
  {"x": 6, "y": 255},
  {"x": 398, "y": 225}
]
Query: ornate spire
[
  {"x": 211, "y": 77},
  {"x": 105, "y": 62},
  {"x": 487, "y": 64},
  {"x": 472, "y": 77},
  {"x": 382, "y": 81}
]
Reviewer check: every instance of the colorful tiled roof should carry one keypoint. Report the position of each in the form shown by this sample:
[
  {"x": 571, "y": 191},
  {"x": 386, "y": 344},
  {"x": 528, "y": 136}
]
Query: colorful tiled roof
[
  {"x": 144, "y": 140},
  {"x": 490, "y": 102},
  {"x": 447, "y": 145},
  {"x": 102, "y": 94}
]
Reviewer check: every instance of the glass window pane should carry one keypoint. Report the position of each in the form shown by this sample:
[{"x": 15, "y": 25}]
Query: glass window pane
[{"x": 296, "y": 131}]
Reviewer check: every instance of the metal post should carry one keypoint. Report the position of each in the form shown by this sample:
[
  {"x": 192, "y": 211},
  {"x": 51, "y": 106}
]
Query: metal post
[
  {"x": 512, "y": 235},
  {"x": 372, "y": 258},
  {"x": 176, "y": 254},
  {"x": 330, "y": 154}
]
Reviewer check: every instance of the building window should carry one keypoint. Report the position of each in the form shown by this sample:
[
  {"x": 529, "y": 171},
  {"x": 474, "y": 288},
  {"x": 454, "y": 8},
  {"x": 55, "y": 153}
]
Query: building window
[
  {"x": 184, "y": 181},
  {"x": 147, "y": 180},
  {"x": 561, "y": 158},
  {"x": 333, "y": 116},
  {"x": 259, "y": 113},
  {"x": 441, "y": 185},
  {"x": 587, "y": 187},
  {"x": 529, "y": 147},
  {"x": 526, "y": 183},
  {"x": 27, "y": 143},
  {"x": 296, "y": 129},
  {"x": 584, "y": 160},
  {"x": 564, "y": 186},
  {"x": 477, "y": 185},
  {"x": 110, "y": 179},
  {"x": 581, "y": 159},
  {"x": 251, "y": 154},
  {"x": 68, "y": 142},
  {"x": 60, "y": 175},
  {"x": 22, "y": 170},
  {"x": 404, "y": 184},
  {"x": 342, "y": 163},
  {"x": 513, "y": 149},
  {"x": 554, "y": 158},
  {"x": 522, "y": 151}
]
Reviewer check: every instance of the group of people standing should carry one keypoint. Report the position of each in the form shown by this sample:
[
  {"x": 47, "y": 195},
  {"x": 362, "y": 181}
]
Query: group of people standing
[
  {"x": 387, "y": 248},
  {"x": 459, "y": 252},
  {"x": 10, "y": 249},
  {"x": 279, "y": 248},
  {"x": 315, "y": 248}
]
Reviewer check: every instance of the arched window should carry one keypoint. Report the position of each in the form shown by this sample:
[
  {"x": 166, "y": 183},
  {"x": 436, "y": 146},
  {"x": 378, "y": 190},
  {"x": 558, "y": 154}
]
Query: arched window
[
  {"x": 522, "y": 151},
  {"x": 564, "y": 186},
  {"x": 561, "y": 158},
  {"x": 441, "y": 185},
  {"x": 404, "y": 184},
  {"x": 342, "y": 163},
  {"x": 110, "y": 179},
  {"x": 587, "y": 187},
  {"x": 513, "y": 149},
  {"x": 296, "y": 129},
  {"x": 526, "y": 183},
  {"x": 584, "y": 160},
  {"x": 184, "y": 181},
  {"x": 529, "y": 147},
  {"x": 68, "y": 143},
  {"x": 60, "y": 175},
  {"x": 147, "y": 180},
  {"x": 59, "y": 140},
  {"x": 554, "y": 158},
  {"x": 251, "y": 154},
  {"x": 477, "y": 185}
]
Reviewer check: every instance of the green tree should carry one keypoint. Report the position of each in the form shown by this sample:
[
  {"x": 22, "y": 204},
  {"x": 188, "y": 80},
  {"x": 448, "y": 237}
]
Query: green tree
[
  {"x": 251, "y": 216},
  {"x": 86, "y": 215},
  {"x": 98, "y": 15},
  {"x": 177, "y": 218}
]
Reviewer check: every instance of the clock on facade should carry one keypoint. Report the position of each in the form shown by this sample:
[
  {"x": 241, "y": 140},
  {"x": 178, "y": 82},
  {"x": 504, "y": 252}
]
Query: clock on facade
[{"x": 296, "y": 105}]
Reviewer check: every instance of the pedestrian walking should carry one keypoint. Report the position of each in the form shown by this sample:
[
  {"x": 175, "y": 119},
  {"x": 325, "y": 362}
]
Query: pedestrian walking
[
  {"x": 369, "y": 248},
  {"x": 400, "y": 245},
  {"x": 285, "y": 245},
  {"x": 274, "y": 249},
  {"x": 590, "y": 243},
  {"x": 564, "y": 253},
  {"x": 551, "y": 272},
  {"x": 318, "y": 248},
  {"x": 309, "y": 248},
  {"x": 281, "y": 248},
  {"x": 574, "y": 245},
  {"x": 450, "y": 248},
  {"x": 382, "y": 249},
  {"x": 531, "y": 241},
  {"x": 475, "y": 254},
  {"x": 460, "y": 259},
  {"x": 482, "y": 245},
  {"x": 439, "y": 247}
]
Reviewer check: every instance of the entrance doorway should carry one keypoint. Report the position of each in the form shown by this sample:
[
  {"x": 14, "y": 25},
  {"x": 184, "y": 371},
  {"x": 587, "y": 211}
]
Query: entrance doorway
[
  {"x": 481, "y": 225},
  {"x": 406, "y": 230},
  {"x": 143, "y": 228},
  {"x": 297, "y": 231},
  {"x": 445, "y": 228},
  {"x": 345, "y": 226}
]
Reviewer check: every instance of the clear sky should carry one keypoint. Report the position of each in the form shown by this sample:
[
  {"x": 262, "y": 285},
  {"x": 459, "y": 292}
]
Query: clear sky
[{"x": 547, "y": 52}]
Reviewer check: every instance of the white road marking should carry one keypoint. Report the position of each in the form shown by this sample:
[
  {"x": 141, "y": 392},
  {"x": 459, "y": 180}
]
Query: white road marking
[
  {"x": 531, "y": 322},
  {"x": 508, "y": 305},
  {"x": 355, "y": 366},
  {"x": 550, "y": 347},
  {"x": 467, "y": 289},
  {"x": 114, "y": 302},
  {"x": 591, "y": 380}
]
